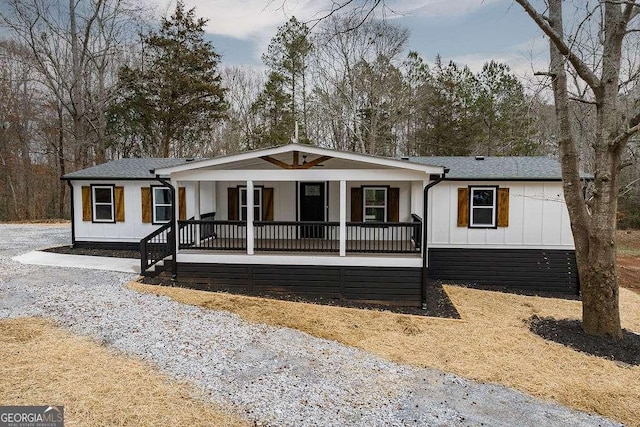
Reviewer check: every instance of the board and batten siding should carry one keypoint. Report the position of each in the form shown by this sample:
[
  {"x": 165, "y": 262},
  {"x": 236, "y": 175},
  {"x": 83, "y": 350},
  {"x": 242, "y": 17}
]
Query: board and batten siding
[
  {"x": 132, "y": 229},
  {"x": 538, "y": 218}
]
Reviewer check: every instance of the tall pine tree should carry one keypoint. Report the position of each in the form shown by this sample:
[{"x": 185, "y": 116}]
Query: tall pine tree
[
  {"x": 288, "y": 56},
  {"x": 174, "y": 97}
]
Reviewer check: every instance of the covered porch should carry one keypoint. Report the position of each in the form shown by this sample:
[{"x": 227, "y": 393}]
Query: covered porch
[{"x": 311, "y": 206}]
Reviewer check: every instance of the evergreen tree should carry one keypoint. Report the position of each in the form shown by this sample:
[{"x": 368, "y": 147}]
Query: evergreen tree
[
  {"x": 288, "y": 55},
  {"x": 503, "y": 112},
  {"x": 275, "y": 115},
  {"x": 174, "y": 97},
  {"x": 446, "y": 111}
]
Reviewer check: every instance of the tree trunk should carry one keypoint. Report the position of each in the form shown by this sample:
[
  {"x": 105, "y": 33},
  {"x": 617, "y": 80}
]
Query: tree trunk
[
  {"x": 61, "y": 164},
  {"x": 593, "y": 229}
]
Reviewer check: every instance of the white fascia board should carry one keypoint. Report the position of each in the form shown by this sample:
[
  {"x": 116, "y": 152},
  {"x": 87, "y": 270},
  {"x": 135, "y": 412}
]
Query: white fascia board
[
  {"x": 301, "y": 175},
  {"x": 380, "y": 161},
  {"x": 294, "y": 259}
]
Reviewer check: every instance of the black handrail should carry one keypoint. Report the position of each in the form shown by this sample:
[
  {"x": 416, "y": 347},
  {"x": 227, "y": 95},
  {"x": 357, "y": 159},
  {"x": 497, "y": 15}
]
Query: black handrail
[
  {"x": 206, "y": 228},
  {"x": 291, "y": 236},
  {"x": 212, "y": 235},
  {"x": 302, "y": 236},
  {"x": 382, "y": 237},
  {"x": 156, "y": 246}
]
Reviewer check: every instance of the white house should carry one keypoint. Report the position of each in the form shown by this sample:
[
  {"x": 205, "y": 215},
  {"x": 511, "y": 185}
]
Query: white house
[{"x": 334, "y": 224}]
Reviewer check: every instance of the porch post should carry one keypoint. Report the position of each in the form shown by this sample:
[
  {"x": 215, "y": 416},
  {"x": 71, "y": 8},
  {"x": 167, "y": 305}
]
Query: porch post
[
  {"x": 175, "y": 226},
  {"x": 250, "y": 230},
  {"x": 343, "y": 218},
  {"x": 196, "y": 212}
]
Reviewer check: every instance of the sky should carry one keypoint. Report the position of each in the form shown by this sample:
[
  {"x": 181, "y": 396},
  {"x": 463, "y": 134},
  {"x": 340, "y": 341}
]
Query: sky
[{"x": 469, "y": 32}]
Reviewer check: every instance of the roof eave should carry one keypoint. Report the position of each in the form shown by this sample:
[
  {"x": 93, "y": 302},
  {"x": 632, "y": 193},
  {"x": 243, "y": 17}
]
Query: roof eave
[{"x": 344, "y": 155}]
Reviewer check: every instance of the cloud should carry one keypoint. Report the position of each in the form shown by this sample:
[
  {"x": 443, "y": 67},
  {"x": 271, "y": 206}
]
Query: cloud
[
  {"x": 440, "y": 8},
  {"x": 524, "y": 59},
  {"x": 250, "y": 19},
  {"x": 256, "y": 19}
]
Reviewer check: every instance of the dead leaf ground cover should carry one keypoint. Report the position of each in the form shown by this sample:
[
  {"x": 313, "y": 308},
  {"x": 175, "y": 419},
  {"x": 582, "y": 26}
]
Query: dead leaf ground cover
[
  {"x": 629, "y": 259},
  {"x": 45, "y": 365},
  {"x": 491, "y": 343}
]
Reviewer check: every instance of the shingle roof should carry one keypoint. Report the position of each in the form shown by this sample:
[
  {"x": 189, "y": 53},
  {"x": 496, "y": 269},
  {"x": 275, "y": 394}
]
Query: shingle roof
[
  {"x": 124, "y": 169},
  {"x": 496, "y": 167},
  {"x": 459, "y": 168}
]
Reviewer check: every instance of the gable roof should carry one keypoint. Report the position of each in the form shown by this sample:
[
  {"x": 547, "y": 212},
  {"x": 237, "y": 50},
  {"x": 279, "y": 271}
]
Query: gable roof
[
  {"x": 306, "y": 149},
  {"x": 125, "y": 169},
  {"x": 497, "y": 168}
]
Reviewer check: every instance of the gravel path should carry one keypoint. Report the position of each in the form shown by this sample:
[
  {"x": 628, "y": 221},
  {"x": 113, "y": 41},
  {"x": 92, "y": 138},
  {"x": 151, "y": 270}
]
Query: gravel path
[{"x": 276, "y": 376}]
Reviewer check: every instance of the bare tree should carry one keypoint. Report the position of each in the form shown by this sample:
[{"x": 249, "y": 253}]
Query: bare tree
[
  {"x": 73, "y": 47},
  {"x": 596, "y": 62},
  {"x": 340, "y": 55}
]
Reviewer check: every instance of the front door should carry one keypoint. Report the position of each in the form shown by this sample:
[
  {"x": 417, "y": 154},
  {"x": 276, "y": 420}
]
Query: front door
[{"x": 312, "y": 208}]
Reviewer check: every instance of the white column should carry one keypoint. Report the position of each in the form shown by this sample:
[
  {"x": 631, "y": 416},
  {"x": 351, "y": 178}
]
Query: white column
[
  {"x": 196, "y": 212},
  {"x": 416, "y": 197},
  {"x": 214, "y": 195},
  {"x": 176, "y": 213},
  {"x": 343, "y": 218},
  {"x": 250, "y": 230}
]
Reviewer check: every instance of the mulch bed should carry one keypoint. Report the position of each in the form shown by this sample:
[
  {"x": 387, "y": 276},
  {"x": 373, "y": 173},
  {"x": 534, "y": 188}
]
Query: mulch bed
[
  {"x": 570, "y": 333},
  {"x": 113, "y": 253},
  {"x": 438, "y": 302}
]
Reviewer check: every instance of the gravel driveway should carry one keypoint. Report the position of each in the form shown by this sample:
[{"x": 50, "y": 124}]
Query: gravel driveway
[{"x": 276, "y": 376}]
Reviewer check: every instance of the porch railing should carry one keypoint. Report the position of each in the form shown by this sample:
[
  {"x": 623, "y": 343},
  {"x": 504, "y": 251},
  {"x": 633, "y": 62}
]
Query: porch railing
[
  {"x": 213, "y": 235},
  {"x": 156, "y": 247},
  {"x": 417, "y": 236},
  {"x": 387, "y": 237},
  {"x": 304, "y": 236}
]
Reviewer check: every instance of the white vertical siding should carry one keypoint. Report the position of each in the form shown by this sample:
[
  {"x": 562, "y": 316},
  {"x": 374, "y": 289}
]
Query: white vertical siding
[
  {"x": 538, "y": 217},
  {"x": 132, "y": 229}
]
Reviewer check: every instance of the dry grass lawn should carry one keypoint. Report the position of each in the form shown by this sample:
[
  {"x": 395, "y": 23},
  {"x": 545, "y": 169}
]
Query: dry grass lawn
[
  {"x": 492, "y": 342},
  {"x": 45, "y": 365}
]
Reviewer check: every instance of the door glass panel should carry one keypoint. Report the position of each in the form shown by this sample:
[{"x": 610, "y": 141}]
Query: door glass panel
[{"x": 311, "y": 190}]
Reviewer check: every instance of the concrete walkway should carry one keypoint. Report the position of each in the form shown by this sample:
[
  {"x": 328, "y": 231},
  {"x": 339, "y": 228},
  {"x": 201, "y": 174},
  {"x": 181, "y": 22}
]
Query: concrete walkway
[{"x": 123, "y": 265}]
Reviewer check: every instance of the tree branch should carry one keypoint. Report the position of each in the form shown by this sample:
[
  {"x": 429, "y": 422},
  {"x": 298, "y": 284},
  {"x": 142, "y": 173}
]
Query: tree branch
[
  {"x": 581, "y": 100},
  {"x": 558, "y": 40}
]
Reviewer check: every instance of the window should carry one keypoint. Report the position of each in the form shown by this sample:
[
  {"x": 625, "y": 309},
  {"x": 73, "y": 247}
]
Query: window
[
  {"x": 102, "y": 197},
  {"x": 375, "y": 204},
  {"x": 482, "y": 207},
  {"x": 257, "y": 203},
  {"x": 161, "y": 205}
]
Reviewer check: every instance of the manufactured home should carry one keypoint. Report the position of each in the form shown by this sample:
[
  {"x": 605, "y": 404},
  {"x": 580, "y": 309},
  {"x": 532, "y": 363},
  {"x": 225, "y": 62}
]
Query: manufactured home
[{"x": 310, "y": 221}]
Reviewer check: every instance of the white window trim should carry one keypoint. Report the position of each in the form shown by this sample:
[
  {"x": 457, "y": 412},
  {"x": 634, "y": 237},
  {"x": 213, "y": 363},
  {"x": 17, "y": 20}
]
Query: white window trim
[
  {"x": 257, "y": 202},
  {"x": 492, "y": 207},
  {"x": 154, "y": 204},
  {"x": 364, "y": 202},
  {"x": 95, "y": 204}
]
